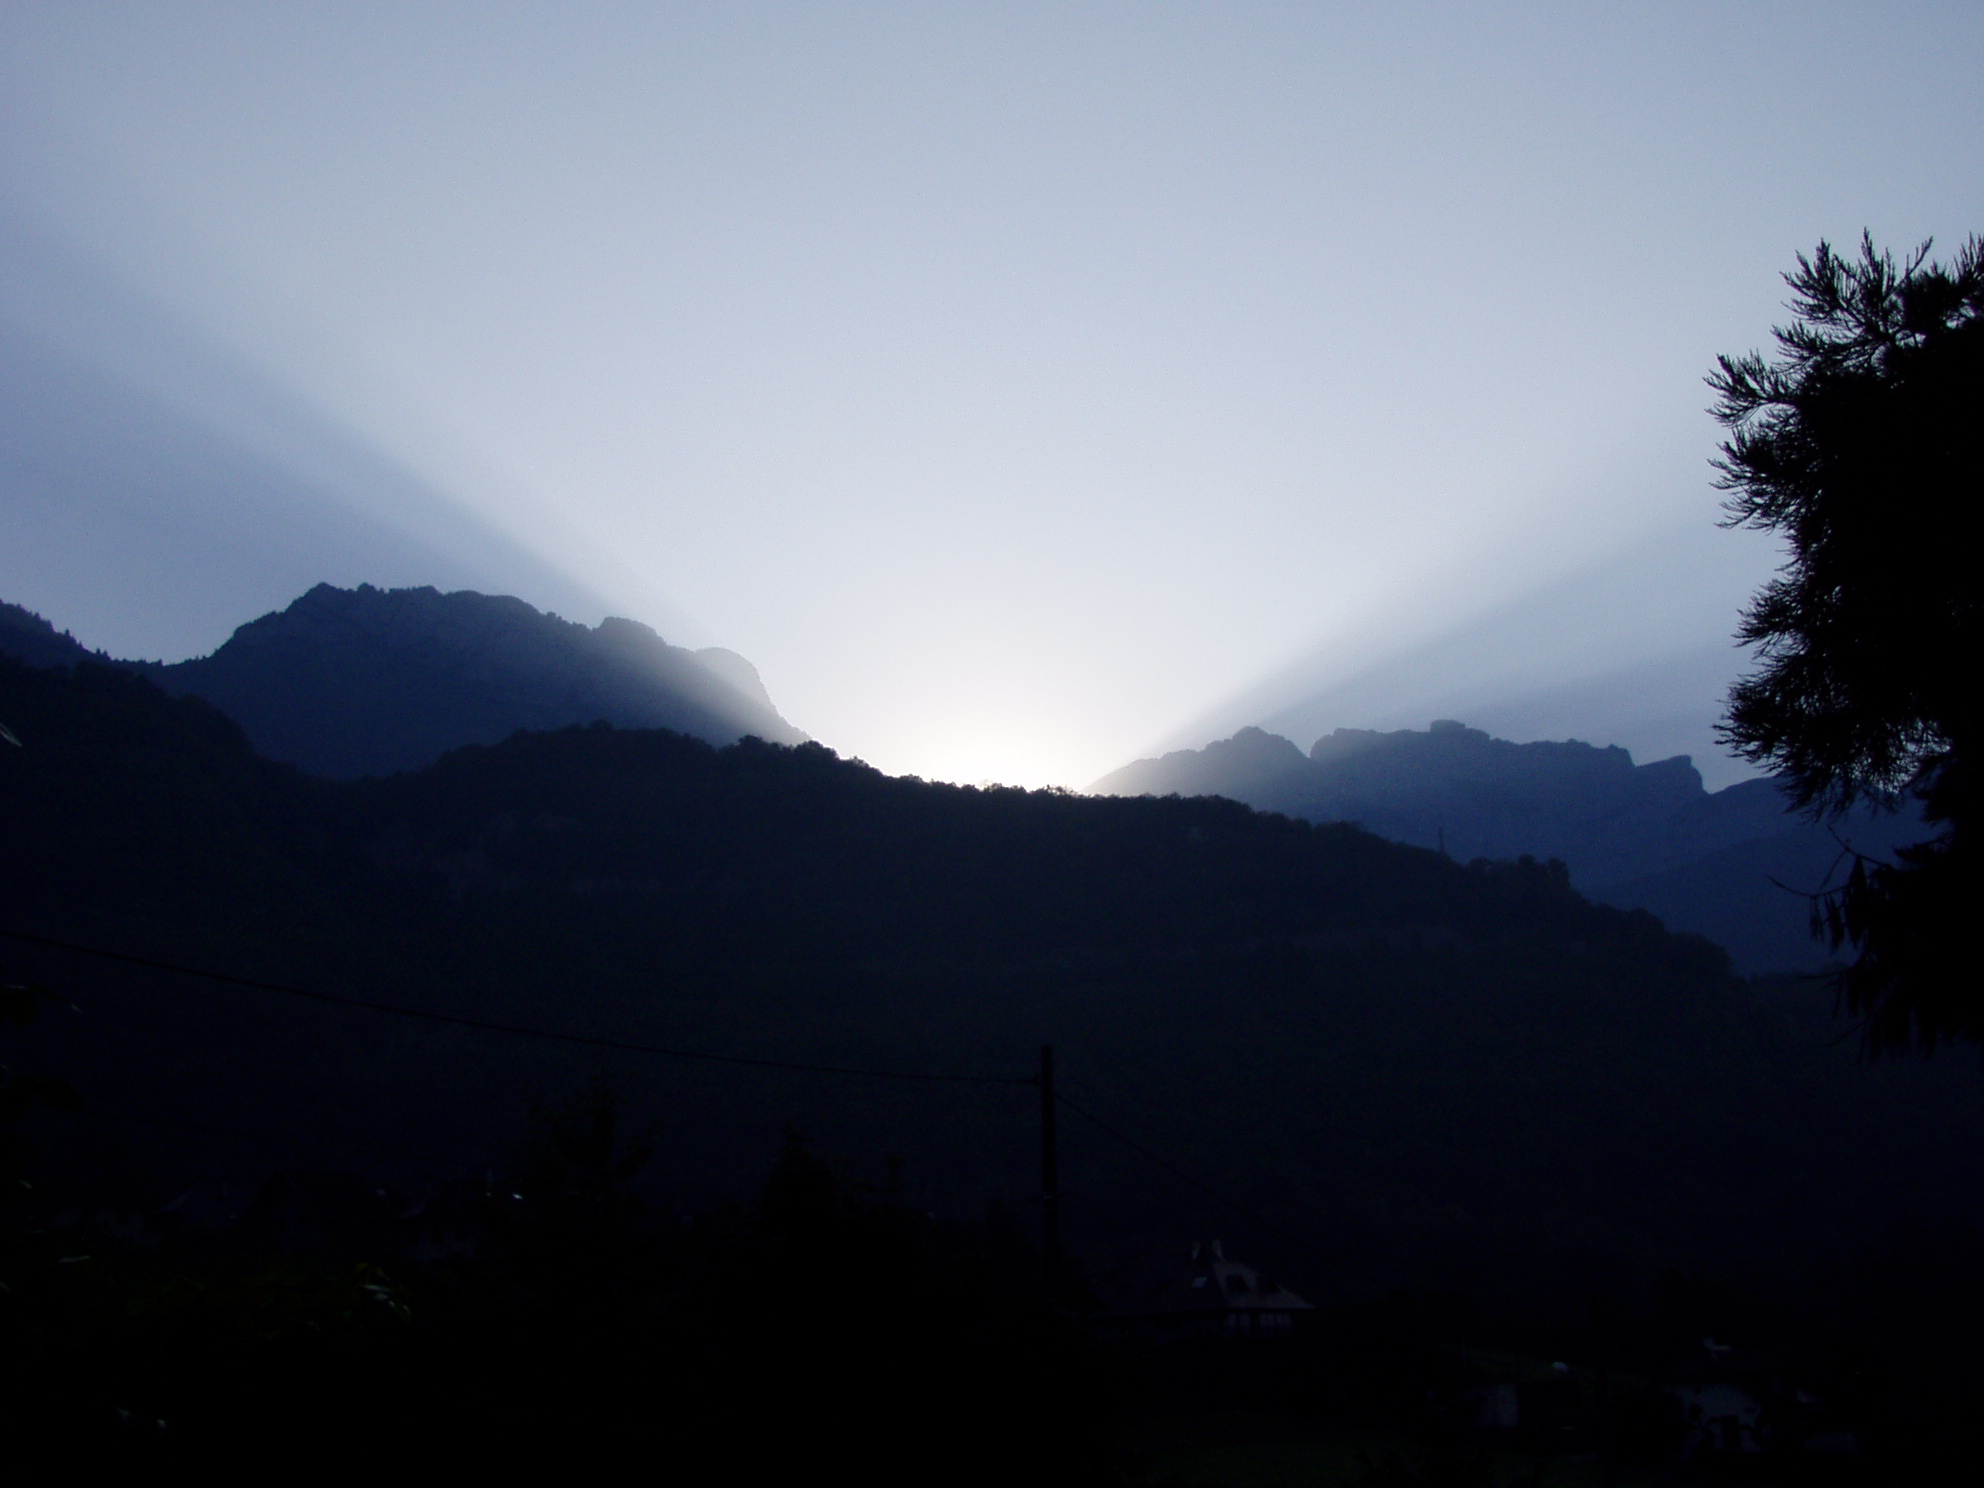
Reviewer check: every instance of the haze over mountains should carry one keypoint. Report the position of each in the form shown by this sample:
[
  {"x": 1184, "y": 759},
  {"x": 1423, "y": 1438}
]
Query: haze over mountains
[
  {"x": 1403, "y": 1071},
  {"x": 365, "y": 681},
  {"x": 346, "y": 683},
  {"x": 1732, "y": 865}
]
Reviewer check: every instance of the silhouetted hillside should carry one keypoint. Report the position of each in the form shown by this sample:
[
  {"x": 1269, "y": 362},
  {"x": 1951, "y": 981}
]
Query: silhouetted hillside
[
  {"x": 1640, "y": 836},
  {"x": 25, "y": 636},
  {"x": 1435, "y": 1073},
  {"x": 351, "y": 682}
]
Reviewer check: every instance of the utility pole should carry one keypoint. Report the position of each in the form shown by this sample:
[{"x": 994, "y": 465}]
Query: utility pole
[{"x": 1050, "y": 1176}]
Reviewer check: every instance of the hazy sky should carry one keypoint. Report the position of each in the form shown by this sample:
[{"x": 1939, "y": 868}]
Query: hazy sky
[{"x": 1023, "y": 388}]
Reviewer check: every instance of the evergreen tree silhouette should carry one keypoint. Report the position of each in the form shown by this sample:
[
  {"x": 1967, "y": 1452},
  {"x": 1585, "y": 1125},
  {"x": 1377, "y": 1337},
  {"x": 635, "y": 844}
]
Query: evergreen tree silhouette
[{"x": 1861, "y": 446}]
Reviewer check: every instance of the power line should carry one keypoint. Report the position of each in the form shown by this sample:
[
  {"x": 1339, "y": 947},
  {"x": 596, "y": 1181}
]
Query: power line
[{"x": 487, "y": 1025}]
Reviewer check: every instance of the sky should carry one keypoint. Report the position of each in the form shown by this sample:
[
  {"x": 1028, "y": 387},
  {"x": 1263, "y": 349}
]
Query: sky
[{"x": 1023, "y": 388}]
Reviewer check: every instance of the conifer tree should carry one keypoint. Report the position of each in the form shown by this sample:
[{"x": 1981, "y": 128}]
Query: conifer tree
[{"x": 1861, "y": 444}]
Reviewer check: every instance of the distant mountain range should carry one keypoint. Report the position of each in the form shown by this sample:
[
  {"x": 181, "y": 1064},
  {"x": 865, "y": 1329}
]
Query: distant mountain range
[
  {"x": 353, "y": 682},
  {"x": 348, "y": 683},
  {"x": 1732, "y": 865}
]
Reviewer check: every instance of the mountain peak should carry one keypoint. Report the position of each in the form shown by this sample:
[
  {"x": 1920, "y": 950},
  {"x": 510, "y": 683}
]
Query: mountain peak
[
  {"x": 1446, "y": 784},
  {"x": 368, "y": 681}
]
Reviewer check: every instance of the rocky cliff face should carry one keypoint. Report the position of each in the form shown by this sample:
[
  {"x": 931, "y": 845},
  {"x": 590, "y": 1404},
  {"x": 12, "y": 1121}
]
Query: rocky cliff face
[
  {"x": 1456, "y": 787},
  {"x": 351, "y": 682},
  {"x": 1727, "y": 865}
]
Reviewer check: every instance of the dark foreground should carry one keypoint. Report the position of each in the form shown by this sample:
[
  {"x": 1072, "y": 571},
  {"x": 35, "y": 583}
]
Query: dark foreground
[
  {"x": 549, "y": 1317},
  {"x": 1486, "y": 1126}
]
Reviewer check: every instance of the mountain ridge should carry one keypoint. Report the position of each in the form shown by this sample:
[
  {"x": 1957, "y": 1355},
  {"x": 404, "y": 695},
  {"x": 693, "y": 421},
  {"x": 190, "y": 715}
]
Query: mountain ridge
[
  {"x": 1728, "y": 864},
  {"x": 1448, "y": 1074},
  {"x": 351, "y": 682}
]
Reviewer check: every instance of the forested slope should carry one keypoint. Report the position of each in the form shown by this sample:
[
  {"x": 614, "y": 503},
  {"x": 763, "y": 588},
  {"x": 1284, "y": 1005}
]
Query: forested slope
[{"x": 1416, "y": 1071}]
